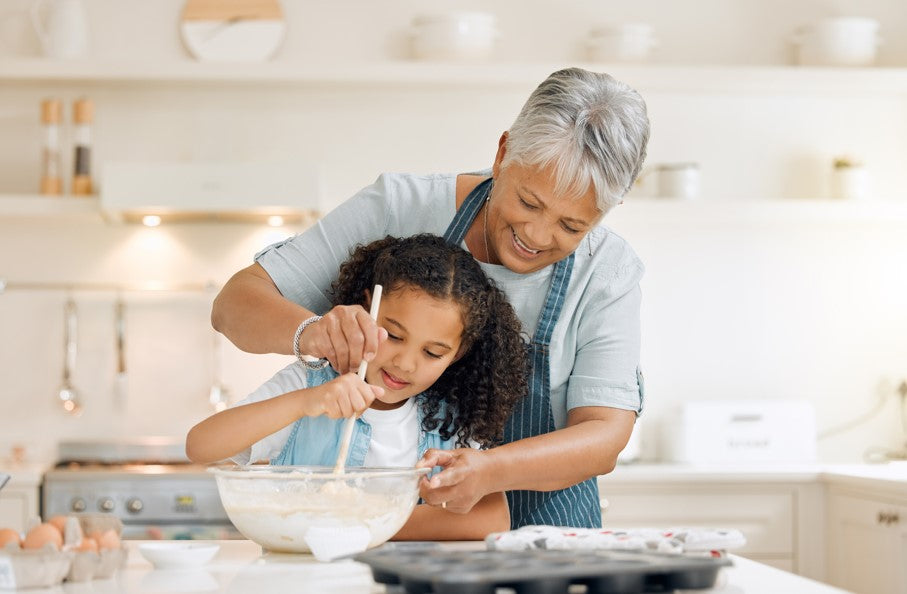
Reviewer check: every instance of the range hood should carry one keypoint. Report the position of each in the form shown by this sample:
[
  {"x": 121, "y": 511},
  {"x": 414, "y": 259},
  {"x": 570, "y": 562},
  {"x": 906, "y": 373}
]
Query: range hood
[{"x": 210, "y": 191}]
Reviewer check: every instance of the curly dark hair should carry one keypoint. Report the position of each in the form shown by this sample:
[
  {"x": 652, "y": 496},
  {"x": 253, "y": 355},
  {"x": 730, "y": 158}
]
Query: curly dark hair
[{"x": 482, "y": 387}]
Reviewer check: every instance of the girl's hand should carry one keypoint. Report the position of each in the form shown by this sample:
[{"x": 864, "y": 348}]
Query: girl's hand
[
  {"x": 340, "y": 398},
  {"x": 345, "y": 336},
  {"x": 461, "y": 483}
]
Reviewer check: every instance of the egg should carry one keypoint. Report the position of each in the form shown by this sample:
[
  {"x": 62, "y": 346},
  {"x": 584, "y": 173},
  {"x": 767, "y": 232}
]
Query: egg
[
  {"x": 8, "y": 535},
  {"x": 42, "y": 534},
  {"x": 107, "y": 539},
  {"x": 59, "y": 522},
  {"x": 88, "y": 544}
]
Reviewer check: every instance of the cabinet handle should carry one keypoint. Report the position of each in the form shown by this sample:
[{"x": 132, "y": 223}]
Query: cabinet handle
[{"x": 888, "y": 518}]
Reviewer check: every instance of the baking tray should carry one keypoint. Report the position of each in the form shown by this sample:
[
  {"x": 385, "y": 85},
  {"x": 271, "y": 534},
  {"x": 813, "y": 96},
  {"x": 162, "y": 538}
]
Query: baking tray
[{"x": 434, "y": 570}]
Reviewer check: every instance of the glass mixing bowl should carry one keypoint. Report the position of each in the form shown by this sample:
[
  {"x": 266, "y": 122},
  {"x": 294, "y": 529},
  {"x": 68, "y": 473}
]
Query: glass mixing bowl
[{"x": 301, "y": 509}]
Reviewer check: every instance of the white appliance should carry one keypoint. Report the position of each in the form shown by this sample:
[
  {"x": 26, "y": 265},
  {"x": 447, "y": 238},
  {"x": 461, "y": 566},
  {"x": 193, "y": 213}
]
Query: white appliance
[
  {"x": 742, "y": 431},
  {"x": 193, "y": 191}
]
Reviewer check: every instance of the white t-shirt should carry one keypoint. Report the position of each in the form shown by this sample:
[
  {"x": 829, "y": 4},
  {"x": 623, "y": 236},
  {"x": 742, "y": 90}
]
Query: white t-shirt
[{"x": 395, "y": 436}]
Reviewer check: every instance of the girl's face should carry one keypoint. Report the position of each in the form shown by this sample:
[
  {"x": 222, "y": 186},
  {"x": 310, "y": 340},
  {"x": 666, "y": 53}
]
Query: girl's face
[
  {"x": 529, "y": 225},
  {"x": 424, "y": 336}
]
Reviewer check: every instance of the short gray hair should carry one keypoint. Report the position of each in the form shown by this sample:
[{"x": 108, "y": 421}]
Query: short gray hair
[{"x": 590, "y": 126}]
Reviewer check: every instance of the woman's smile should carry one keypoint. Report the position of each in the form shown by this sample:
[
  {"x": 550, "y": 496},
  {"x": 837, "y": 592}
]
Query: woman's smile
[{"x": 521, "y": 248}]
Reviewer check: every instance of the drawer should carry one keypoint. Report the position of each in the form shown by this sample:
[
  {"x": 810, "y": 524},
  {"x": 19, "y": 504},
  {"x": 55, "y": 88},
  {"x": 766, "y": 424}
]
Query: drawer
[
  {"x": 16, "y": 507},
  {"x": 766, "y": 520}
]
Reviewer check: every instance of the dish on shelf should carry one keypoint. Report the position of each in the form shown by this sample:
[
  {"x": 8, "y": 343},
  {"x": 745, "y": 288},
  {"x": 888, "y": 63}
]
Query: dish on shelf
[{"x": 173, "y": 555}]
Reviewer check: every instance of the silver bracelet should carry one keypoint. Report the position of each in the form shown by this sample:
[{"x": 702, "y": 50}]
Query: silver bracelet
[{"x": 316, "y": 364}]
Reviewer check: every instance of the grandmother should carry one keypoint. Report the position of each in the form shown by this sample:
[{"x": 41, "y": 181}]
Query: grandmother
[{"x": 532, "y": 222}]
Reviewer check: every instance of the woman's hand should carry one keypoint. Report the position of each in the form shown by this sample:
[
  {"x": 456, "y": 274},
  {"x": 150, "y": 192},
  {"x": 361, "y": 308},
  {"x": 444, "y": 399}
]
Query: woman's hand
[
  {"x": 461, "y": 483},
  {"x": 340, "y": 398},
  {"x": 345, "y": 336}
]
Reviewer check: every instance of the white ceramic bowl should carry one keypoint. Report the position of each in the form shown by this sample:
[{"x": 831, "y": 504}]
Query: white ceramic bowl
[
  {"x": 839, "y": 41},
  {"x": 300, "y": 509},
  {"x": 620, "y": 42},
  {"x": 454, "y": 36},
  {"x": 174, "y": 555}
]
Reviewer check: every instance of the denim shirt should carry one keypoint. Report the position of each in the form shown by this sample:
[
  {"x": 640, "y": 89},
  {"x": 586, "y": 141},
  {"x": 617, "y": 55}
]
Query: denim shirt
[{"x": 316, "y": 440}]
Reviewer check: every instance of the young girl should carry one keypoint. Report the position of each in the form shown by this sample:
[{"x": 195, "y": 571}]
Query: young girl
[{"x": 448, "y": 374}]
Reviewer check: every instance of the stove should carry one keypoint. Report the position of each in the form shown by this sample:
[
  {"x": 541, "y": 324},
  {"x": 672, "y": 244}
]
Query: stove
[{"x": 148, "y": 483}]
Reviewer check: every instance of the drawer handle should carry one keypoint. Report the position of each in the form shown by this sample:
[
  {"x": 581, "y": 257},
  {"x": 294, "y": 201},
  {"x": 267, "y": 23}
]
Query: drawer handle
[{"x": 888, "y": 518}]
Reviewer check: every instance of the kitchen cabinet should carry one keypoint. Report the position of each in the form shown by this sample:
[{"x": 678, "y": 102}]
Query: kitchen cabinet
[
  {"x": 781, "y": 520},
  {"x": 18, "y": 504},
  {"x": 867, "y": 540}
]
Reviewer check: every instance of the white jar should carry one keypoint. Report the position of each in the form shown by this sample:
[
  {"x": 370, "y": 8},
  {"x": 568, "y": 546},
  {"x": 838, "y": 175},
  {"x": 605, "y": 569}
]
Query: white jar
[
  {"x": 678, "y": 180},
  {"x": 849, "y": 183},
  {"x": 839, "y": 41},
  {"x": 620, "y": 42},
  {"x": 454, "y": 35}
]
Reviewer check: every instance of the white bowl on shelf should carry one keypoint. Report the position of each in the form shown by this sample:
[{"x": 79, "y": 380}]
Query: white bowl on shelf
[
  {"x": 838, "y": 41},
  {"x": 620, "y": 42},
  {"x": 454, "y": 35}
]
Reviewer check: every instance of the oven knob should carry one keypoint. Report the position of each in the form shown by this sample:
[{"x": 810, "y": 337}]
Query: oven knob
[
  {"x": 134, "y": 505},
  {"x": 106, "y": 504},
  {"x": 77, "y": 504}
]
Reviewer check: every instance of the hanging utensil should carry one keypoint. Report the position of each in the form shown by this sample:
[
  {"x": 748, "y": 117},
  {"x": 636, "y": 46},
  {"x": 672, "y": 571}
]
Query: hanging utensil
[
  {"x": 351, "y": 421},
  {"x": 218, "y": 396},
  {"x": 3, "y": 478},
  {"x": 120, "y": 385},
  {"x": 68, "y": 396}
]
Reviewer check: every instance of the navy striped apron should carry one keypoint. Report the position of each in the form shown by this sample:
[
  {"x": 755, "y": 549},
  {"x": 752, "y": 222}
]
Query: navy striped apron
[{"x": 577, "y": 506}]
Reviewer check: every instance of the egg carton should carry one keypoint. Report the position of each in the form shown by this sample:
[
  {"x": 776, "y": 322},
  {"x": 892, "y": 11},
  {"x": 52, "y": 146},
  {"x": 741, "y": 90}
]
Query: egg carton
[
  {"x": 425, "y": 570},
  {"x": 33, "y": 568},
  {"x": 49, "y": 566}
]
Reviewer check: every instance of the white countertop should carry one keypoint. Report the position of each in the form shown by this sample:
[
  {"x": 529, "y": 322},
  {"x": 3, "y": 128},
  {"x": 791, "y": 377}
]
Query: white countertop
[{"x": 240, "y": 568}]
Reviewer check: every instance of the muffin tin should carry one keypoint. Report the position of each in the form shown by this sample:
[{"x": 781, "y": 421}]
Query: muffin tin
[{"x": 425, "y": 570}]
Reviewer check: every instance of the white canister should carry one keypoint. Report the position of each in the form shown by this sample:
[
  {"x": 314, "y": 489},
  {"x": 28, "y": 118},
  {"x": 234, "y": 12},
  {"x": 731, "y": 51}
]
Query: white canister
[
  {"x": 838, "y": 41},
  {"x": 620, "y": 42},
  {"x": 678, "y": 180},
  {"x": 454, "y": 35},
  {"x": 62, "y": 27},
  {"x": 849, "y": 181}
]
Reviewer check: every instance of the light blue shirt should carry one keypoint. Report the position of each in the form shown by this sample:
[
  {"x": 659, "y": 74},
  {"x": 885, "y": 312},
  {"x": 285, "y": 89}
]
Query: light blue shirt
[
  {"x": 316, "y": 440},
  {"x": 595, "y": 346}
]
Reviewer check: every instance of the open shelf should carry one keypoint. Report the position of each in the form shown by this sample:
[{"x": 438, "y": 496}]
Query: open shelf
[
  {"x": 649, "y": 78},
  {"x": 707, "y": 210},
  {"x": 37, "y": 205},
  {"x": 770, "y": 210}
]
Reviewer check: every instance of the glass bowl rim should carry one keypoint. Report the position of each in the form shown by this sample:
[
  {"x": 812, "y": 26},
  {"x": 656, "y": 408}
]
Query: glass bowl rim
[{"x": 322, "y": 473}]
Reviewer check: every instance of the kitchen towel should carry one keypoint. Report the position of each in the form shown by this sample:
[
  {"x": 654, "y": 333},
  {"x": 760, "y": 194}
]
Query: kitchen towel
[{"x": 679, "y": 541}]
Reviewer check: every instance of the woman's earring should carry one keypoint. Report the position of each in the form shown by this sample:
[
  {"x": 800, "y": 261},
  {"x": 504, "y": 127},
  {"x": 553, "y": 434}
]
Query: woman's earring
[{"x": 589, "y": 242}]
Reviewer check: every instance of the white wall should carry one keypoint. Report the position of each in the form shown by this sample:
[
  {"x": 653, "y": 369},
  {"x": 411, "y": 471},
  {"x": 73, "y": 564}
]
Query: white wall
[{"x": 786, "y": 308}]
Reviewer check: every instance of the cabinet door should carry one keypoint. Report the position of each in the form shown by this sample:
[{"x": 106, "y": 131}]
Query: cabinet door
[
  {"x": 867, "y": 545},
  {"x": 17, "y": 505},
  {"x": 765, "y": 519}
]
